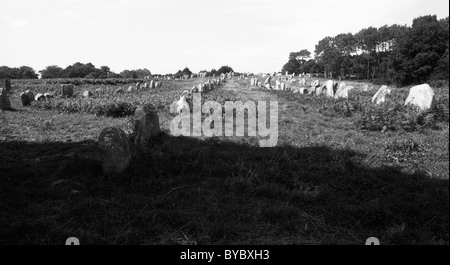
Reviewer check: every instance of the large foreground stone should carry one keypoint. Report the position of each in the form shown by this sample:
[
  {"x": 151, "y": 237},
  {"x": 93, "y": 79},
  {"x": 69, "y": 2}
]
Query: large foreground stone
[
  {"x": 146, "y": 126},
  {"x": 5, "y": 104},
  {"x": 115, "y": 150},
  {"x": 421, "y": 96}
]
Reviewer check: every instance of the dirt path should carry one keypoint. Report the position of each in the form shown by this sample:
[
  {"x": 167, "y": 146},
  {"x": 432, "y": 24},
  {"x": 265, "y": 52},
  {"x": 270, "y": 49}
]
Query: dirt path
[{"x": 248, "y": 93}]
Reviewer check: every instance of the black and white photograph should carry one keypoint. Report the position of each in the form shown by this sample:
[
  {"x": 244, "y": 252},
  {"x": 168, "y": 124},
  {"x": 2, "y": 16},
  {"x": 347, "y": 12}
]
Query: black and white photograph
[{"x": 205, "y": 123}]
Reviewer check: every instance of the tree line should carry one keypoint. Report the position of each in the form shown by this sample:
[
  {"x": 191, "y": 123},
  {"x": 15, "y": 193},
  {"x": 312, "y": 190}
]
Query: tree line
[
  {"x": 89, "y": 71},
  {"x": 77, "y": 70},
  {"x": 222, "y": 70},
  {"x": 389, "y": 54}
]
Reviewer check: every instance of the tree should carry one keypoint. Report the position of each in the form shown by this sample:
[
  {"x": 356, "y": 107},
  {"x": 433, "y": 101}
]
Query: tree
[
  {"x": 24, "y": 72},
  {"x": 180, "y": 73},
  {"x": 292, "y": 66},
  {"x": 80, "y": 70},
  {"x": 27, "y": 73},
  {"x": 328, "y": 54},
  {"x": 212, "y": 72},
  {"x": 105, "y": 72},
  {"x": 52, "y": 71},
  {"x": 395, "y": 53},
  {"x": 295, "y": 61},
  {"x": 224, "y": 69},
  {"x": 422, "y": 51},
  {"x": 128, "y": 74},
  {"x": 186, "y": 71}
]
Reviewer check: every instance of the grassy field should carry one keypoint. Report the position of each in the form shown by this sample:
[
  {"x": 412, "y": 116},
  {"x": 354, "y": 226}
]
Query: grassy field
[{"x": 333, "y": 178}]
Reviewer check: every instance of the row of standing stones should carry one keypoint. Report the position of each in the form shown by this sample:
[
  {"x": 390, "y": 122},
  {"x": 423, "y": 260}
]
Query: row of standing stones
[
  {"x": 5, "y": 86},
  {"x": 67, "y": 90},
  {"x": 185, "y": 98},
  {"x": 117, "y": 148},
  {"x": 421, "y": 96}
]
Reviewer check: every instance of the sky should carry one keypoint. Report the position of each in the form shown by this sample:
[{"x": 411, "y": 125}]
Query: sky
[{"x": 165, "y": 36}]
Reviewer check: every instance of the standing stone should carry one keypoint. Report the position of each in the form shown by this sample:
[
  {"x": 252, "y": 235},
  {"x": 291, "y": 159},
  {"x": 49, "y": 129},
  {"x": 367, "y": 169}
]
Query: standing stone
[
  {"x": 152, "y": 84},
  {"x": 343, "y": 91},
  {"x": 97, "y": 92},
  {"x": 25, "y": 98},
  {"x": 5, "y": 83},
  {"x": 267, "y": 82},
  {"x": 277, "y": 85},
  {"x": 115, "y": 150},
  {"x": 329, "y": 86},
  {"x": 67, "y": 90},
  {"x": 5, "y": 104},
  {"x": 315, "y": 84},
  {"x": 194, "y": 89},
  {"x": 380, "y": 96},
  {"x": 146, "y": 126},
  {"x": 303, "y": 90},
  {"x": 87, "y": 94},
  {"x": 320, "y": 90},
  {"x": 138, "y": 86},
  {"x": 421, "y": 96},
  {"x": 39, "y": 97},
  {"x": 48, "y": 95},
  {"x": 30, "y": 94}
]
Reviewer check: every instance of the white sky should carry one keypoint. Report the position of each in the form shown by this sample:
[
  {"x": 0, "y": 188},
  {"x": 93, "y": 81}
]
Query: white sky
[{"x": 167, "y": 35}]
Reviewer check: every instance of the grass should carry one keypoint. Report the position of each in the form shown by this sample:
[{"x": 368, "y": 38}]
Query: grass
[{"x": 326, "y": 182}]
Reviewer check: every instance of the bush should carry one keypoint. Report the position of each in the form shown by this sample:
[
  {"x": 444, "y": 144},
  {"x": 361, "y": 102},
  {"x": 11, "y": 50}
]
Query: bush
[
  {"x": 396, "y": 116},
  {"x": 99, "y": 107},
  {"x": 115, "y": 109}
]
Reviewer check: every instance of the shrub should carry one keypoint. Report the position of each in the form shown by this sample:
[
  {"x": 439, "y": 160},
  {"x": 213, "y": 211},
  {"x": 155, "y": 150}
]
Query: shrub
[{"x": 115, "y": 109}]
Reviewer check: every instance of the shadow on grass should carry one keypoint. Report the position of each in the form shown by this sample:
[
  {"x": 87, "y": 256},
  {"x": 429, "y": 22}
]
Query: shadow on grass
[{"x": 190, "y": 191}]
